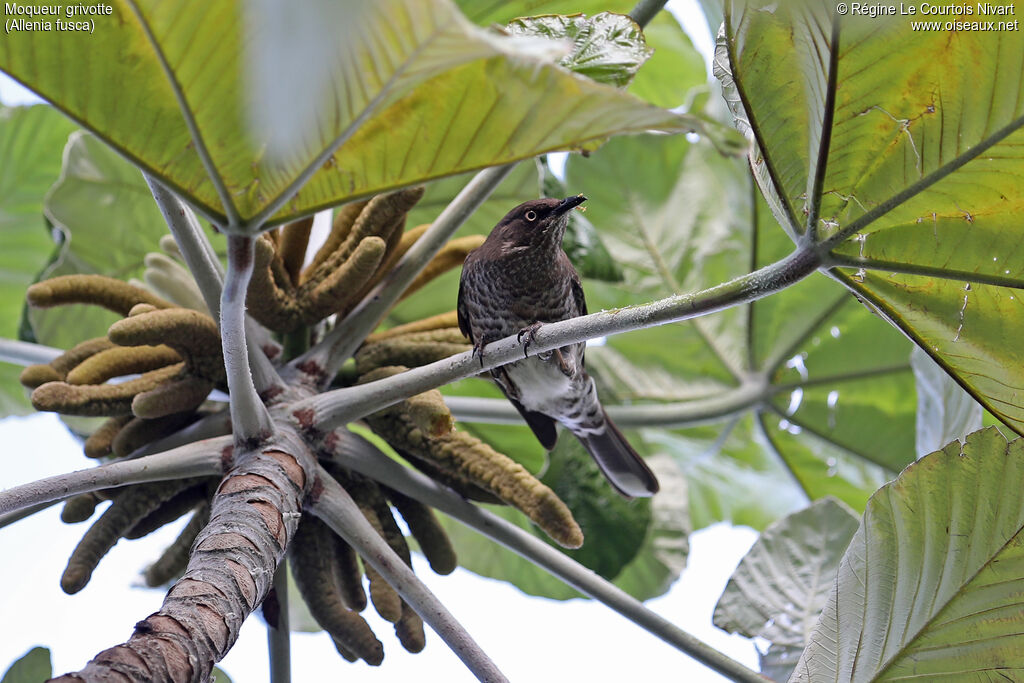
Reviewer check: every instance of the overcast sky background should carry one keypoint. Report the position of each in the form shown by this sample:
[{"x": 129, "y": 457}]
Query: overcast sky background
[{"x": 530, "y": 639}]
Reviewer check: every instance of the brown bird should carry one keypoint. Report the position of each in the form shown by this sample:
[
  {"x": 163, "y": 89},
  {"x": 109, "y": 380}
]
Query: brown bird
[{"x": 516, "y": 281}]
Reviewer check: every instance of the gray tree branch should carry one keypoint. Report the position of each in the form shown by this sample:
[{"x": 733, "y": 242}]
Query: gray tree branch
[
  {"x": 674, "y": 414},
  {"x": 250, "y": 420},
  {"x": 191, "y": 460},
  {"x": 26, "y": 353}
]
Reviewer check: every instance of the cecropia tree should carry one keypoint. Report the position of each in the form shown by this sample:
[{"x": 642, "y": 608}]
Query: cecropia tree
[{"x": 291, "y": 390}]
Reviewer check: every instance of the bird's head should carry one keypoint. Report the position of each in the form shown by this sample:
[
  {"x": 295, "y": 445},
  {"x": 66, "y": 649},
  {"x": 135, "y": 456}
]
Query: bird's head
[{"x": 537, "y": 221}]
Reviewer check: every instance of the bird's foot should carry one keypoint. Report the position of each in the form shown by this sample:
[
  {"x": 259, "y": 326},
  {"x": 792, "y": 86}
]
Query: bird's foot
[
  {"x": 478, "y": 351},
  {"x": 529, "y": 332}
]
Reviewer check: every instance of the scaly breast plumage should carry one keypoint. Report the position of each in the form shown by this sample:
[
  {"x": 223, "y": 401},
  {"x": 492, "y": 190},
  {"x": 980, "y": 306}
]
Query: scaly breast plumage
[{"x": 506, "y": 300}]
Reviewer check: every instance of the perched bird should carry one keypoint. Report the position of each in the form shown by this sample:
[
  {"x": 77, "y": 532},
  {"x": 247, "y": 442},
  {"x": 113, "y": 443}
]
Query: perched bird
[{"x": 516, "y": 281}]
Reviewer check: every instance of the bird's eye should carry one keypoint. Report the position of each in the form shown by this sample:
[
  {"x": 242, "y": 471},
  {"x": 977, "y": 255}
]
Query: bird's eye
[{"x": 531, "y": 215}]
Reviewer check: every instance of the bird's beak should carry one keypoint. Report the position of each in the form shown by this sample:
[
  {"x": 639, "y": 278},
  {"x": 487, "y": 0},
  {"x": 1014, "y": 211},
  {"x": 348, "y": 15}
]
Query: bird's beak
[{"x": 569, "y": 203}]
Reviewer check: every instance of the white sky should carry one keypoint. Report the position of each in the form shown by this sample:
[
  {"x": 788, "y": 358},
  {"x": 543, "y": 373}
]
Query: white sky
[{"x": 529, "y": 638}]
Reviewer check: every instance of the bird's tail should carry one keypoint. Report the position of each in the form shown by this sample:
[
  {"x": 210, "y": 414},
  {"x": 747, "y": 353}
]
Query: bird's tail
[{"x": 620, "y": 464}]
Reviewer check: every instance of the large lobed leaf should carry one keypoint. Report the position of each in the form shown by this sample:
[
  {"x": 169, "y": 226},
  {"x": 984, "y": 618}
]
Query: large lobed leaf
[
  {"x": 932, "y": 583},
  {"x": 408, "y": 88},
  {"x": 907, "y": 150},
  {"x": 31, "y": 139},
  {"x": 781, "y": 585}
]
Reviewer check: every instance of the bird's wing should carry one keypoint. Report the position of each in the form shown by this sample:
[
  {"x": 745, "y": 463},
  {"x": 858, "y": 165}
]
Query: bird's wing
[
  {"x": 462, "y": 310},
  {"x": 577, "y": 293},
  {"x": 581, "y": 305},
  {"x": 543, "y": 427}
]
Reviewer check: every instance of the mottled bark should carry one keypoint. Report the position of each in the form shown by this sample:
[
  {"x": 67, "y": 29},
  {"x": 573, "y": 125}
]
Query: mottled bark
[{"x": 253, "y": 517}]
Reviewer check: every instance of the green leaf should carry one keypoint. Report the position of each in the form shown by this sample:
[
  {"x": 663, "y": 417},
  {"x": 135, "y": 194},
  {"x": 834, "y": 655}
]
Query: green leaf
[
  {"x": 944, "y": 411},
  {"x": 33, "y": 667},
  {"x": 727, "y": 468},
  {"x": 32, "y": 139},
  {"x": 581, "y": 242},
  {"x": 218, "y": 676},
  {"x": 639, "y": 545},
  {"x": 930, "y": 586},
  {"x": 607, "y": 48},
  {"x": 615, "y": 526},
  {"x": 665, "y": 79},
  {"x": 675, "y": 67},
  {"x": 920, "y": 187},
  {"x": 410, "y": 88},
  {"x": 109, "y": 222},
  {"x": 781, "y": 585},
  {"x": 487, "y": 13}
]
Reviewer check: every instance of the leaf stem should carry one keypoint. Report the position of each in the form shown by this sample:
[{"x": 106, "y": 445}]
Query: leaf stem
[
  {"x": 279, "y": 634},
  {"x": 195, "y": 248},
  {"x": 355, "y": 452},
  {"x": 209, "y": 426},
  {"x": 334, "y": 408},
  {"x": 340, "y": 512},
  {"x": 12, "y": 517},
  {"x": 844, "y": 261},
  {"x": 250, "y": 420},
  {"x": 753, "y": 392},
  {"x": 645, "y": 10},
  {"x": 675, "y": 414},
  {"x": 338, "y": 345},
  {"x": 194, "y": 459},
  {"x": 26, "y": 353},
  {"x": 825, "y": 139},
  {"x": 206, "y": 268}
]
